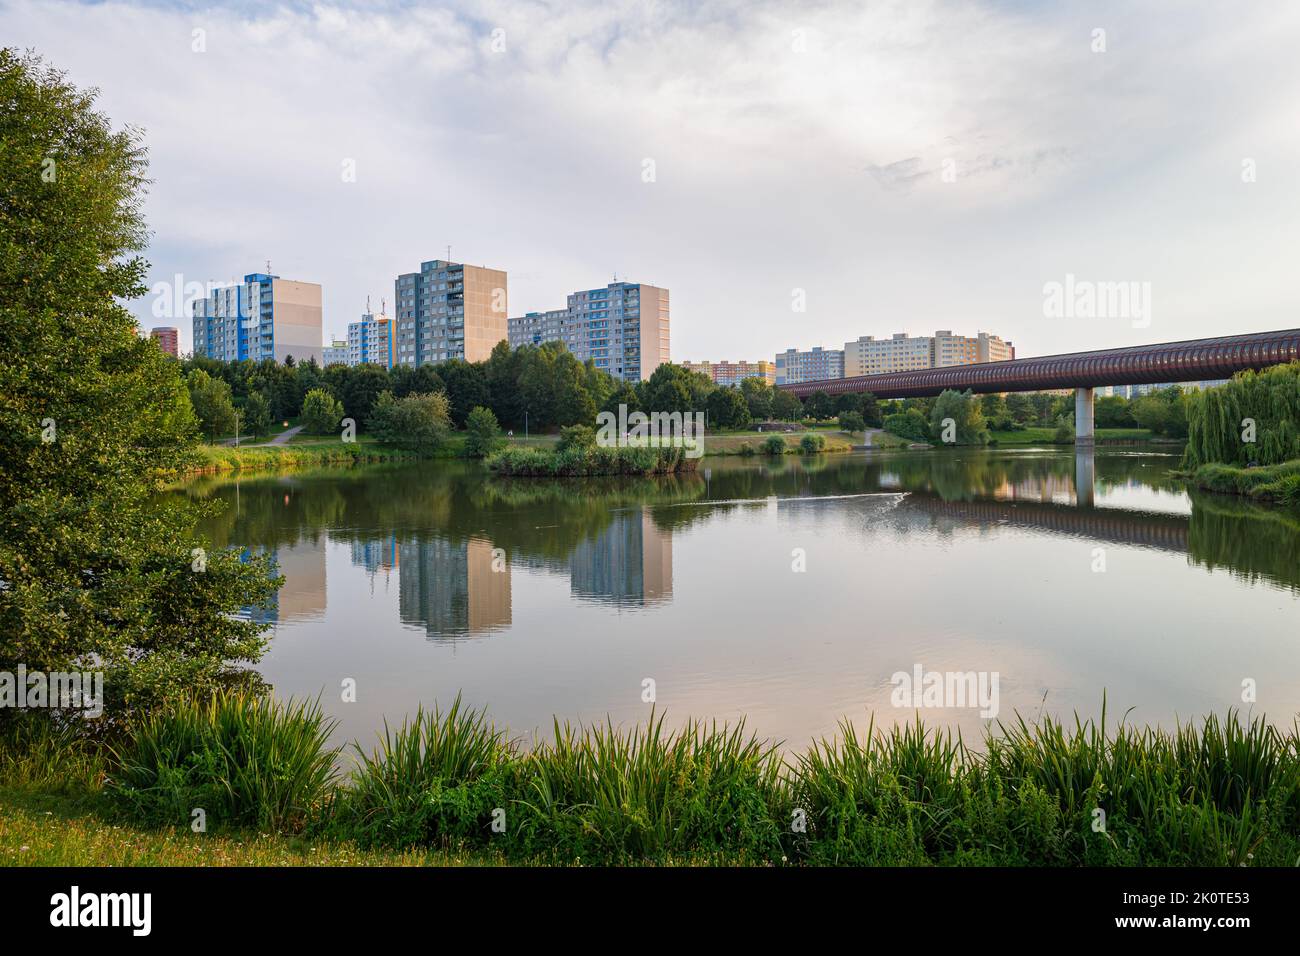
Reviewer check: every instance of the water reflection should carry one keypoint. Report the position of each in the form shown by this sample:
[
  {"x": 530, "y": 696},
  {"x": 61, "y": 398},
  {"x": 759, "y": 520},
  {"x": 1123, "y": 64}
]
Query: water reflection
[
  {"x": 451, "y": 536},
  {"x": 545, "y": 598}
]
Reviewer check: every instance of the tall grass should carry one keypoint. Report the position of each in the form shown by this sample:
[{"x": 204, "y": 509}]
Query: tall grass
[
  {"x": 245, "y": 760},
  {"x": 1222, "y": 792},
  {"x": 435, "y": 780},
  {"x": 606, "y": 794}
]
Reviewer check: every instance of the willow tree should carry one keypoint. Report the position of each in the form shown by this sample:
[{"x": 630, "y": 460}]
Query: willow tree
[
  {"x": 1255, "y": 417},
  {"x": 94, "y": 572}
]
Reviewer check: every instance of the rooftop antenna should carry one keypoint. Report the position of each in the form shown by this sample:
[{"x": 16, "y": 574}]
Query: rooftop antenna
[
  {"x": 268, "y": 266},
  {"x": 449, "y": 252},
  {"x": 367, "y": 305}
]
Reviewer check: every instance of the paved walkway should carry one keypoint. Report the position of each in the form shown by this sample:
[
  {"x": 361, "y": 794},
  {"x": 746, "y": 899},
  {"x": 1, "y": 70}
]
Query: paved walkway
[{"x": 280, "y": 439}]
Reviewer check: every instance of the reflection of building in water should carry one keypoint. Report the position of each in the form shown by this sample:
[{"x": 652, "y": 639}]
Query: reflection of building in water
[
  {"x": 630, "y": 562},
  {"x": 376, "y": 554},
  {"x": 453, "y": 589},
  {"x": 302, "y": 595}
]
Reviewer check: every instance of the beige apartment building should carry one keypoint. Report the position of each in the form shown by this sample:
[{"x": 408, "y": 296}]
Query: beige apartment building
[
  {"x": 901, "y": 352},
  {"x": 449, "y": 310},
  {"x": 733, "y": 373}
]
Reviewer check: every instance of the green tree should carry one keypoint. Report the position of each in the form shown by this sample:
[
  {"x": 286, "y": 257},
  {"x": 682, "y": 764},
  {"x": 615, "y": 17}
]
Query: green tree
[
  {"x": 726, "y": 408},
  {"x": 414, "y": 423},
  {"x": 212, "y": 404},
  {"x": 957, "y": 418},
  {"x": 321, "y": 412},
  {"x": 482, "y": 433},
  {"x": 360, "y": 389},
  {"x": 466, "y": 386},
  {"x": 257, "y": 414},
  {"x": 852, "y": 422},
  {"x": 786, "y": 406},
  {"x": 758, "y": 396},
  {"x": 819, "y": 405},
  {"x": 95, "y": 571}
]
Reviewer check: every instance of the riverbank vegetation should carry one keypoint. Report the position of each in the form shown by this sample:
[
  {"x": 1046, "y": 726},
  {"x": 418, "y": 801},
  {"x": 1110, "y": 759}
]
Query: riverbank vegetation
[
  {"x": 1244, "y": 436},
  {"x": 1224, "y": 792},
  {"x": 579, "y": 462}
]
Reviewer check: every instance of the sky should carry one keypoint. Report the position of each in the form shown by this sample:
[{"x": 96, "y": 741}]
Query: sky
[{"x": 796, "y": 174}]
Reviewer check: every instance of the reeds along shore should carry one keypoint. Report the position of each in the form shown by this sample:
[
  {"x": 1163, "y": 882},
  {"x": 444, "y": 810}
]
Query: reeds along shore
[{"x": 1224, "y": 792}]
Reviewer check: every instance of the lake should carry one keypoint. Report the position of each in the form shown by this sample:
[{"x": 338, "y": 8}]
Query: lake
[{"x": 789, "y": 592}]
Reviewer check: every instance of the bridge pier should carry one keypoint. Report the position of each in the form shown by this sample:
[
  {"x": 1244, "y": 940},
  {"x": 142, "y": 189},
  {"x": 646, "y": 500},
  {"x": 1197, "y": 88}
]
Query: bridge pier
[
  {"x": 1083, "y": 433},
  {"x": 1085, "y": 477}
]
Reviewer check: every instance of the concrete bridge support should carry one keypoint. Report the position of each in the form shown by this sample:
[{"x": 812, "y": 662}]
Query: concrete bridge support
[
  {"x": 1085, "y": 477},
  {"x": 1083, "y": 433}
]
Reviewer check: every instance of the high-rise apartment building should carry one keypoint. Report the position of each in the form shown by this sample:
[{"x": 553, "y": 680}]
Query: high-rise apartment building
[
  {"x": 901, "y": 352},
  {"x": 166, "y": 337},
  {"x": 898, "y": 353},
  {"x": 449, "y": 310},
  {"x": 265, "y": 317},
  {"x": 623, "y": 328},
  {"x": 733, "y": 373},
  {"x": 336, "y": 353},
  {"x": 793, "y": 366},
  {"x": 371, "y": 340}
]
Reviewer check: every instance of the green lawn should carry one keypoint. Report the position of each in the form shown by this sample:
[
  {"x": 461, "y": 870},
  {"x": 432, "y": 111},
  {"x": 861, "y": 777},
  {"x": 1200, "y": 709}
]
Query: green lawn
[{"x": 51, "y": 829}]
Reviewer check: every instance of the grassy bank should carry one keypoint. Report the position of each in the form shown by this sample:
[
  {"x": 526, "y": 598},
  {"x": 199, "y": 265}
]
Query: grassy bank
[
  {"x": 226, "y": 460},
  {"x": 1046, "y": 436},
  {"x": 1267, "y": 483},
  {"x": 590, "y": 462},
  {"x": 736, "y": 443},
  {"x": 451, "y": 787}
]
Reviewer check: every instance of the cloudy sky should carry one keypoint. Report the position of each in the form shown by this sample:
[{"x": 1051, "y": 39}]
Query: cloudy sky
[{"x": 897, "y": 166}]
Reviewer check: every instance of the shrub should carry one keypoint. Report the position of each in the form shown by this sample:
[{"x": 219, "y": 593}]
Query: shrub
[
  {"x": 483, "y": 434},
  {"x": 812, "y": 444},
  {"x": 577, "y": 437},
  {"x": 418, "y": 422},
  {"x": 1064, "y": 434},
  {"x": 747, "y": 450},
  {"x": 245, "y": 759},
  {"x": 321, "y": 412},
  {"x": 774, "y": 445},
  {"x": 852, "y": 422}
]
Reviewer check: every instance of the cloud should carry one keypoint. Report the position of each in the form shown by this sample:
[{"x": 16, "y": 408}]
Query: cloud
[{"x": 795, "y": 146}]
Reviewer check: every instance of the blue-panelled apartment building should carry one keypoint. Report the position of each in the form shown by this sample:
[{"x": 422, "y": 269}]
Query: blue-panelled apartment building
[{"x": 265, "y": 317}]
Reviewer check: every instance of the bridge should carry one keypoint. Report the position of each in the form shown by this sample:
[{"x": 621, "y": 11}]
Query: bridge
[{"x": 1188, "y": 361}]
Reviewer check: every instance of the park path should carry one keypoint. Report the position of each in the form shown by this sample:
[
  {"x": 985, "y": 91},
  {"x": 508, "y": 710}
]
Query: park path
[{"x": 284, "y": 436}]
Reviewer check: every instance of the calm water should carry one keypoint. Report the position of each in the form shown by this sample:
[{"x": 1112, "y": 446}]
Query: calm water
[{"x": 543, "y": 598}]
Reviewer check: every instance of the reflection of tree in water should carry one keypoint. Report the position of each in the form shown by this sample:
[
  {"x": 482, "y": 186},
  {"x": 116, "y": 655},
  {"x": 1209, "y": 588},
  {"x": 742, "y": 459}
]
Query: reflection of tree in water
[
  {"x": 1252, "y": 541},
  {"x": 542, "y": 522}
]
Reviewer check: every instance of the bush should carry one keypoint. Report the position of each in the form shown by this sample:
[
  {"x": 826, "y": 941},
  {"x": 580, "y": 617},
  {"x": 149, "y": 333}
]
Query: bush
[
  {"x": 576, "y": 438},
  {"x": 909, "y": 424},
  {"x": 852, "y": 422},
  {"x": 321, "y": 412},
  {"x": 774, "y": 445},
  {"x": 812, "y": 444},
  {"x": 418, "y": 422},
  {"x": 747, "y": 450},
  {"x": 1064, "y": 434},
  {"x": 245, "y": 759},
  {"x": 483, "y": 434}
]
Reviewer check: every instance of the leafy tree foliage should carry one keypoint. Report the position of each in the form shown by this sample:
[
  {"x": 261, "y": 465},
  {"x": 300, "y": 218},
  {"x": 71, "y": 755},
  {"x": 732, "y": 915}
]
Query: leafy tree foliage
[
  {"x": 95, "y": 573},
  {"x": 482, "y": 433}
]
